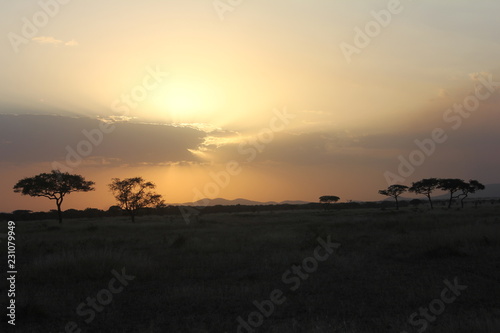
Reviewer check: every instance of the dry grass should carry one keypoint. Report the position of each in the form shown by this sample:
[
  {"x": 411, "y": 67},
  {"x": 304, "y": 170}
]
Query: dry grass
[{"x": 200, "y": 278}]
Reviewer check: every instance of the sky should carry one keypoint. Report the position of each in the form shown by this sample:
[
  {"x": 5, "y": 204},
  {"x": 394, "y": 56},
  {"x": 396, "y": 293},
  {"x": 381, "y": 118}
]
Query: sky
[{"x": 256, "y": 99}]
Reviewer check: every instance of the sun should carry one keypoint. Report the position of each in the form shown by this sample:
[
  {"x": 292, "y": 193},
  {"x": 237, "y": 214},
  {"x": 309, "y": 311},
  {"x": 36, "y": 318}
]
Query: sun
[
  {"x": 188, "y": 101},
  {"x": 185, "y": 99}
]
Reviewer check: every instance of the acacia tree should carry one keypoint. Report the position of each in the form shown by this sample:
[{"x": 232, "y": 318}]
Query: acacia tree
[
  {"x": 54, "y": 185},
  {"x": 135, "y": 193},
  {"x": 471, "y": 187},
  {"x": 394, "y": 191},
  {"x": 452, "y": 185},
  {"x": 425, "y": 187},
  {"x": 327, "y": 199}
]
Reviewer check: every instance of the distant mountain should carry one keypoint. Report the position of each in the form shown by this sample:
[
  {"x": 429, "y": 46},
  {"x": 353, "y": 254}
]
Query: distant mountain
[
  {"x": 491, "y": 191},
  {"x": 399, "y": 199},
  {"x": 239, "y": 201},
  {"x": 296, "y": 202}
]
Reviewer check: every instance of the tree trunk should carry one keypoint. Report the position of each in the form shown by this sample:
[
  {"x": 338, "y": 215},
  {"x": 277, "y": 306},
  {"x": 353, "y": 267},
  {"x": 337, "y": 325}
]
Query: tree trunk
[
  {"x": 462, "y": 200},
  {"x": 397, "y": 203},
  {"x": 59, "y": 212},
  {"x": 430, "y": 201},
  {"x": 451, "y": 199}
]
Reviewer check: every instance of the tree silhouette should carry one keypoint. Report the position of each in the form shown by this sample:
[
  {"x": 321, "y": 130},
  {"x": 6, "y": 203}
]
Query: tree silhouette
[
  {"x": 133, "y": 194},
  {"x": 394, "y": 191},
  {"x": 471, "y": 187},
  {"x": 54, "y": 185},
  {"x": 327, "y": 199},
  {"x": 425, "y": 187},
  {"x": 452, "y": 185}
]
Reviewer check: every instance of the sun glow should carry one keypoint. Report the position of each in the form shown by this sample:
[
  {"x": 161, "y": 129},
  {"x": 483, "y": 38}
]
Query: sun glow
[
  {"x": 183, "y": 99},
  {"x": 188, "y": 101}
]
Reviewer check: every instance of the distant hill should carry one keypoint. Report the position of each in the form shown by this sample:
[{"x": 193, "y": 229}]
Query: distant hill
[
  {"x": 296, "y": 202},
  {"x": 399, "y": 199},
  {"x": 239, "y": 201},
  {"x": 491, "y": 191}
]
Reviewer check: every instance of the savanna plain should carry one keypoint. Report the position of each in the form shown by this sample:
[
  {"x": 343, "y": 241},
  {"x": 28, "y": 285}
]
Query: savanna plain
[{"x": 212, "y": 275}]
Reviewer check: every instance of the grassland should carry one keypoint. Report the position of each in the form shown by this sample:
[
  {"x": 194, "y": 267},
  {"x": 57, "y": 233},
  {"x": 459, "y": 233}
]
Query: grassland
[{"x": 201, "y": 278}]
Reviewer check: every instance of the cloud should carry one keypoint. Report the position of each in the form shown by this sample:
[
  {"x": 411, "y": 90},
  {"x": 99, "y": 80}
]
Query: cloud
[
  {"x": 47, "y": 40},
  {"x": 72, "y": 43},
  {"x": 54, "y": 41},
  {"x": 28, "y": 139}
]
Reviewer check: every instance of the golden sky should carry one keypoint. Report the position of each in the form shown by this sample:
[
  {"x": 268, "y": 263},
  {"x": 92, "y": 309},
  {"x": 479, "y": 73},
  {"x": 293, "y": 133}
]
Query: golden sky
[{"x": 302, "y": 98}]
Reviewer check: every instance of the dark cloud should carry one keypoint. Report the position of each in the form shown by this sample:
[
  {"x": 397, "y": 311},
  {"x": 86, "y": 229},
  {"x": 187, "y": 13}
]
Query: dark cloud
[
  {"x": 26, "y": 139},
  {"x": 34, "y": 138},
  {"x": 469, "y": 151},
  {"x": 297, "y": 149}
]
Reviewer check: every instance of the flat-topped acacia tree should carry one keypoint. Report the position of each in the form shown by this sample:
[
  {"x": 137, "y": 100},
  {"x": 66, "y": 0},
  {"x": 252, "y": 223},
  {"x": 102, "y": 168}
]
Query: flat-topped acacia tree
[
  {"x": 54, "y": 185},
  {"x": 328, "y": 198},
  {"x": 394, "y": 191},
  {"x": 455, "y": 185},
  {"x": 471, "y": 187},
  {"x": 425, "y": 187},
  {"x": 451, "y": 185}
]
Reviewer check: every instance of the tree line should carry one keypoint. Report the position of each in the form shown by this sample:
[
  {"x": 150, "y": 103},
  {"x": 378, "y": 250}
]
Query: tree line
[
  {"x": 457, "y": 188},
  {"x": 134, "y": 194}
]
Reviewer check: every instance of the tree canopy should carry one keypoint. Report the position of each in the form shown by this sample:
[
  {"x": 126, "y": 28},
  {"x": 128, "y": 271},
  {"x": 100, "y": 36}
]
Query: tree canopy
[
  {"x": 135, "y": 193},
  {"x": 451, "y": 185},
  {"x": 425, "y": 187},
  {"x": 394, "y": 191},
  {"x": 471, "y": 187},
  {"x": 328, "y": 198},
  {"x": 54, "y": 186}
]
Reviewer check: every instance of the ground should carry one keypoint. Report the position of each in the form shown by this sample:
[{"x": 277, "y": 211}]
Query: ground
[{"x": 208, "y": 277}]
